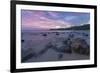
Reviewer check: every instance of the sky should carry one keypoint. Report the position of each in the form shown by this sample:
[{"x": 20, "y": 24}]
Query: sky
[{"x": 33, "y": 19}]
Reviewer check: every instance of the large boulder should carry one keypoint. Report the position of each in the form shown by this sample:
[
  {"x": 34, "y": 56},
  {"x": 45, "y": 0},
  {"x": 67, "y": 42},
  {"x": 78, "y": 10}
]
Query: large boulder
[
  {"x": 62, "y": 46},
  {"x": 80, "y": 46}
]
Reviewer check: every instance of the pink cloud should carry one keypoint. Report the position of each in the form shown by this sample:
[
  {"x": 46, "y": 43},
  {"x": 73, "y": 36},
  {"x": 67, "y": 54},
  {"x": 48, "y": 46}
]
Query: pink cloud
[{"x": 39, "y": 20}]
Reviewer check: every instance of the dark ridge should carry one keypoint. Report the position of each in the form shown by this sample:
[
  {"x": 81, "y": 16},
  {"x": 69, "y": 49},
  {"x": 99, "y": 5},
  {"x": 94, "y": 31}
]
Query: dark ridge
[{"x": 82, "y": 27}]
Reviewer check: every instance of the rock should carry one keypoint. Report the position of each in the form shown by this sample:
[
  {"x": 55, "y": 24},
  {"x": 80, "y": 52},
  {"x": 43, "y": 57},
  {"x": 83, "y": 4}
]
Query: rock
[
  {"x": 80, "y": 46},
  {"x": 22, "y": 41},
  {"x": 62, "y": 49},
  {"x": 28, "y": 54},
  {"x": 44, "y": 34},
  {"x": 60, "y": 56},
  {"x": 71, "y": 35},
  {"x": 57, "y": 33},
  {"x": 84, "y": 34},
  {"x": 67, "y": 41},
  {"x": 62, "y": 46}
]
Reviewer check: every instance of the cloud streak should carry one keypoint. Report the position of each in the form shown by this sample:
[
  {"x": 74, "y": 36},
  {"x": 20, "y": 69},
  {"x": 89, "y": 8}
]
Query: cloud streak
[{"x": 32, "y": 19}]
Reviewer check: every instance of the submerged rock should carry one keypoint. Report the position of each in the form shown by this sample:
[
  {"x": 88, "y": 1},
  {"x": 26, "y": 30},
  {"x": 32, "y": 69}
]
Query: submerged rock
[
  {"x": 26, "y": 55},
  {"x": 57, "y": 33},
  {"x": 60, "y": 56},
  {"x": 62, "y": 49},
  {"x": 62, "y": 46},
  {"x": 71, "y": 35},
  {"x": 80, "y": 46},
  {"x": 84, "y": 34}
]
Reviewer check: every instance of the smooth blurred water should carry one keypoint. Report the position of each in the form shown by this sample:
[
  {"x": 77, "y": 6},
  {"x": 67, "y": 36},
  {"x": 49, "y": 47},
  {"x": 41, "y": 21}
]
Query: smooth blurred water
[{"x": 36, "y": 41}]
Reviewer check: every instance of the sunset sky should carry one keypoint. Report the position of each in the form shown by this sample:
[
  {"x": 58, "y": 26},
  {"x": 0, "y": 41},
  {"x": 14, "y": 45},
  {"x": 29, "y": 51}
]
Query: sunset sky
[{"x": 33, "y": 19}]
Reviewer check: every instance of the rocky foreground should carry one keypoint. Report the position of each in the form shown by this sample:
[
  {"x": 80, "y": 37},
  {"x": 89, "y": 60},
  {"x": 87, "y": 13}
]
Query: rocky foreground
[{"x": 70, "y": 47}]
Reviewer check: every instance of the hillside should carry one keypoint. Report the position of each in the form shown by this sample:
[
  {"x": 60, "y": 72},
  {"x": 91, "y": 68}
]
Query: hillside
[{"x": 82, "y": 27}]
